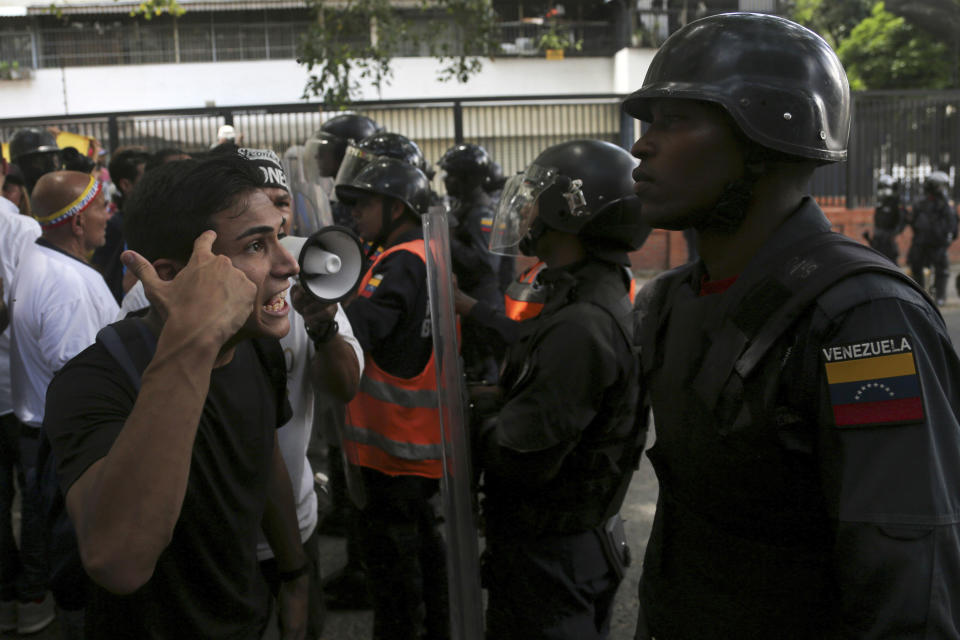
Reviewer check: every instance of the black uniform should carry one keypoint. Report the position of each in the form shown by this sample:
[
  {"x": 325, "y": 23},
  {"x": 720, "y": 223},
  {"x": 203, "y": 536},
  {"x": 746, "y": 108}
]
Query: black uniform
[
  {"x": 889, "y": 218},
  {"x": 934, "y": 228},
  {"x": 558, "y": 458},
  {"x": 817, "y": 497},
  {"x": 477, "y": 271}
]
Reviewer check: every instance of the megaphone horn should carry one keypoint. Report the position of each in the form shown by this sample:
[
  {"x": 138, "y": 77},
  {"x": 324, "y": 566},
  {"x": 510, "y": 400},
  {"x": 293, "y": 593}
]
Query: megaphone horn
[{"x": 331, "y": 262}]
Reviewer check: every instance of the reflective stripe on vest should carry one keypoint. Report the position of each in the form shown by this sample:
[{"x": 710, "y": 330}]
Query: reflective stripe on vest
[
  {"x": 393, "y": 424},
  {"x": 524, "y": 299}
]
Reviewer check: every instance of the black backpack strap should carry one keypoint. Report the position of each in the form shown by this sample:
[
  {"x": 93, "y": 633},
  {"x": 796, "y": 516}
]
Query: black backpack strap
[
  {"x": 761, "y": 308},
  {"x": 132, "y": 345}
]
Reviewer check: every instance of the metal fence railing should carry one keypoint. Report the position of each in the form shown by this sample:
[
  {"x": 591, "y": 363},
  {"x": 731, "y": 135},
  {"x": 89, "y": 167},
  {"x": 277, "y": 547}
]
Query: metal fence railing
[{"x": 906, "y": 135}]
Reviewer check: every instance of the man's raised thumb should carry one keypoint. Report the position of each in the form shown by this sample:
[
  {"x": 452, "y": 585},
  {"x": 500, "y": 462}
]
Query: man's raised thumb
[{"x": 140, "y": 267}]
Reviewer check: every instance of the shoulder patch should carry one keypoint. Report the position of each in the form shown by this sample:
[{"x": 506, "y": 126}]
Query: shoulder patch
[
  {"x": 486, "y": 224},
  {"x": 874, "y": 382}
]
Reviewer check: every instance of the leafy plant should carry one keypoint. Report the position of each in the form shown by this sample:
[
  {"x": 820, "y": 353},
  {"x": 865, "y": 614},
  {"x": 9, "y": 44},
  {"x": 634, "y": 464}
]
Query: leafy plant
[
  {"x": 558, "y": 37},
  {"x": 885, "y": 51},
  {"x": 357, "y": 41},
  {"x": 9, "y": 70},
  {"x": 147, "y": 8}
]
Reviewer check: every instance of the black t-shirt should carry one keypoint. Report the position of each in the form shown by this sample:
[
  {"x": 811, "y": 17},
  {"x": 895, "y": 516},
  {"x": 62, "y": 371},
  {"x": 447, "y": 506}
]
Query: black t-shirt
[{"x": 207, "y": 583}]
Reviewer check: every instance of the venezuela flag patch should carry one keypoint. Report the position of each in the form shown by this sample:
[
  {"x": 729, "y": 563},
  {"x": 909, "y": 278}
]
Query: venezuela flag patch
[{"x": 874, "y": 382}]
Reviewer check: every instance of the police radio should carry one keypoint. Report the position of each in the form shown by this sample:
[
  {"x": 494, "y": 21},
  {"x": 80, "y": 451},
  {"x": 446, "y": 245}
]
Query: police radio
[{"x": 331, "y": 262}]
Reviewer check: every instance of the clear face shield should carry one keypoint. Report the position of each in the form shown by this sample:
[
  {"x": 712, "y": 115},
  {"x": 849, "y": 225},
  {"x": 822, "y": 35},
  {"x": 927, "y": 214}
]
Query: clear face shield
[
  {"x": 354, "y": 161},
  {"x": 519, "y": 208}
]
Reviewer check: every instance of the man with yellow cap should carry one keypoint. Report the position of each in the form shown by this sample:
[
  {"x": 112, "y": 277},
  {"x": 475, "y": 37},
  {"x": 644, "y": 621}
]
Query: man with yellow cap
[{"x": 58, "y": 303}]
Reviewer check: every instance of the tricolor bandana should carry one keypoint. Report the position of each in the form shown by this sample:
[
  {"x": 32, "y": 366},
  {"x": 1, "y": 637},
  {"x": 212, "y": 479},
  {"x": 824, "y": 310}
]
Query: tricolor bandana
[
  {"x": 61, "y": 216},
  {"x": 371, "y": 285},
  {"x": 874, "y": 383}
]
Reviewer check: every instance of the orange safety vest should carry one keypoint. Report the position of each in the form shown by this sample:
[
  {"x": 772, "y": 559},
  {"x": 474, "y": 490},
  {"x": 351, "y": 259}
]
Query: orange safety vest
[
  {"x": 524, "y": 299},
  {"x": 393, "y": 424}
]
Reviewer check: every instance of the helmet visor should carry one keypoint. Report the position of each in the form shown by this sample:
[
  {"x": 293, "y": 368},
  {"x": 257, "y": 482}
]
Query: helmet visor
[
  {"x": 518, "y": 208},
  {"x": 354, "y": 161}
]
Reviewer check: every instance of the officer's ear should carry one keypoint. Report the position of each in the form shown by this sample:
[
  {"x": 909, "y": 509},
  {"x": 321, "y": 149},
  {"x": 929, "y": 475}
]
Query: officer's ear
[{"x": 396, "y": 209}]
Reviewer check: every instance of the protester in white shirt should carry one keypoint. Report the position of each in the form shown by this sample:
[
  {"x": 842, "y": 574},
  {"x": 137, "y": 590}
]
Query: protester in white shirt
[
  {"x": 16, "y": 233},
  {"x": 58, "y": 303}
]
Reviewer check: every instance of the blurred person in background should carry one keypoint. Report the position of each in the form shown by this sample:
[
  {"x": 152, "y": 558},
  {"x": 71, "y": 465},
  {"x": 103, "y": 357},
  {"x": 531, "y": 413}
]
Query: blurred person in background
[
  {"x": 126, "y": 167},
  {"x": 58, "y": 304},
  {"x": 889, "y": 218},
  {"x": 934, "y": 223},
  {"x": 17, "y": 232},
  {"x": 35, "y": 152}
]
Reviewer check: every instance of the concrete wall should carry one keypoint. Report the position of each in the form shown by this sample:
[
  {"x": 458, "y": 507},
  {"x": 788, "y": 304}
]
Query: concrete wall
[{"x": 78, "y": 90}]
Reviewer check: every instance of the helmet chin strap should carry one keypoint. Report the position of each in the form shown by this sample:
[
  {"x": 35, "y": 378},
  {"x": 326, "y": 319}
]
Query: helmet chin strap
[
  {"x": 387, "y": 225},
  {"x": 730, "y": 210},
  {"x": 528, "y": 243}
]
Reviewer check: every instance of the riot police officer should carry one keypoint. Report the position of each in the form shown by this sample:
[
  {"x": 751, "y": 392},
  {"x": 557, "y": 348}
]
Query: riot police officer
[
  {"x": 466, "y": 168},
  {"x": 889, "y": 218},
  {"x": 370, "y": 149},
  {"x": 35, "y": 152},
  {"x": 324, "y": 152},
  {"x": 934, "y": 223},
  {"x": 336, "y": 134},
  {"x": 558, "y": 456},
  {"x": 393, "y": 430},
  {"x": 804, "y": 391}
]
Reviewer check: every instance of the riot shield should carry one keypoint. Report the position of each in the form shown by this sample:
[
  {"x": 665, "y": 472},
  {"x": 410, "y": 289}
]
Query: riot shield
[
  {"x": 463, "y": 566},
  {"x": 310, "y": 202}
]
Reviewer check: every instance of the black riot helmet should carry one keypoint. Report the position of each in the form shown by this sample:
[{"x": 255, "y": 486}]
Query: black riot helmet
[
  {"x": 350, "y": 126},
  {"x": 36, "y": 152},
  {"x": 937, "y": 183},
  {"x": 330, "y": 142},
  {"x": 379, "y": 145},
  {"x": 466, "y": 167},
  {"x": 391, "y": 178},
  {"x": 466, "y": 160},
  {"x": 394, "y": 145},
  {"x": 495, "y": 179},
  {"x": 582, "y": 187},
  {"x": 326, "y": 151},
  {"x": 886, "y": 186},
  {"x": 780, "y": 82}
]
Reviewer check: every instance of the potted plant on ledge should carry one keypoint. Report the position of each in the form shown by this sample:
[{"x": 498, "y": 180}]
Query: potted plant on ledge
[{"x": 557, "y": 40}]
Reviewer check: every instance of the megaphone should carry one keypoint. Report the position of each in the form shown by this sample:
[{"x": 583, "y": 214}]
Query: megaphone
[{"x": 331, "y": 262}]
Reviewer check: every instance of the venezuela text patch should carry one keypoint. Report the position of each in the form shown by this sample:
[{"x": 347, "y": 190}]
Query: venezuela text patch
[{"x": 873, "y": 382}]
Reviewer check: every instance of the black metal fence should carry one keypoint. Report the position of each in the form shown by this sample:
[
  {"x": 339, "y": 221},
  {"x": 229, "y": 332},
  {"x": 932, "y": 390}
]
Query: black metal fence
[
  {"x": 513, "y": 130},
  {"x": 905, "y": 134}
]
